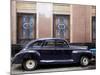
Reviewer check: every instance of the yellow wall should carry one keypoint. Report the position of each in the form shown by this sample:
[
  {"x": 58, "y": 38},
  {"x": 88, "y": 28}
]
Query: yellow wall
[
  {"x": 26, "y": 7},
  {"x": 61, "y": 8}
]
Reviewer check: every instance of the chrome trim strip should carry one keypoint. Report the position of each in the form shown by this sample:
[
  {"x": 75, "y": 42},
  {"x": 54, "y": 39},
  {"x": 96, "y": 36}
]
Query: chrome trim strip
[
  {"x": 81, "y": 51},
  {"x": 70, "y": 60}
]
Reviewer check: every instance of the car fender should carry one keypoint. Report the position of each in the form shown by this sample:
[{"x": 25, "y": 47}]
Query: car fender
[
  {"x": 19, "y": 57},
  {"x": 78, "y": 54}
]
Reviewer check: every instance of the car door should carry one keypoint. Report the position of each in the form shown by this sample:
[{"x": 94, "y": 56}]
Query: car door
[
  {"x": 49, "y": 52},
  {"x": 63, "y": 47}
]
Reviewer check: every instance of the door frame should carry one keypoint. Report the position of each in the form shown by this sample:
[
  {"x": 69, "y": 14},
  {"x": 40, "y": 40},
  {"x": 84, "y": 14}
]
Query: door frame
[
  {"x": 18, "y": 14},
  {"x": 55, "y": 27}
]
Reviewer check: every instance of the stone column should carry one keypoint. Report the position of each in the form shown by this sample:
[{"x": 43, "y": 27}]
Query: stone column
[
  {"x": 44, "y": 20},
  {"x": 13, "y": 22}
]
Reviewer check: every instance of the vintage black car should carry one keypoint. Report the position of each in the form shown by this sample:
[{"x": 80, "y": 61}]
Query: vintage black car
[{"x": 51, "y": 51}]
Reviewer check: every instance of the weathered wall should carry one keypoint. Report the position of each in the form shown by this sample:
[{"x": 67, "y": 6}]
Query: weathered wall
[
  {"x": 80, "y": 27},
  {"x": 80, "y": 19}
]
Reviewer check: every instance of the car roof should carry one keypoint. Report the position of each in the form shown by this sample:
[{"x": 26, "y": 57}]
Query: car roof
[
  {"x": 41, "y": 39},
  {"x": 47, "y": 39},
  {"x": 50, "y": 39}
]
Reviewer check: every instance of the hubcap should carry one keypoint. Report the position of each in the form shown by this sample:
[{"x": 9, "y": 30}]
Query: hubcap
[
  {"x": 30, "y": 64},
  {"x": 85, "y": 61}
]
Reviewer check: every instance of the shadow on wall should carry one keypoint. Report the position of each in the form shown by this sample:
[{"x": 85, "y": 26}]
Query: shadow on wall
[{"x": 15, "y": 48}]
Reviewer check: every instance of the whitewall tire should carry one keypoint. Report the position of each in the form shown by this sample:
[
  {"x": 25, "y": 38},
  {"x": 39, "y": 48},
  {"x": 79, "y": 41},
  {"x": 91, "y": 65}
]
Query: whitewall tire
[
  {"x": 29, "y": 64},
  {"x": 84, "y": 61}
]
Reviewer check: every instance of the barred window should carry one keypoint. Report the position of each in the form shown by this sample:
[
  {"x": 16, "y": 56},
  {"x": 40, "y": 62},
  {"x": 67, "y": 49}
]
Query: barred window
[
  {"x": 26, "y": 27},
  {"x": 61, "y": 26}
]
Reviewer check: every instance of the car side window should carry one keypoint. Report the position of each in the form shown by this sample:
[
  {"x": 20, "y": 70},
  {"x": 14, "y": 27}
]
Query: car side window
[
  {"x": 36, "y": 44},
  {"x": 49, "y": 43},
  {"x": 61, "y": 43}
]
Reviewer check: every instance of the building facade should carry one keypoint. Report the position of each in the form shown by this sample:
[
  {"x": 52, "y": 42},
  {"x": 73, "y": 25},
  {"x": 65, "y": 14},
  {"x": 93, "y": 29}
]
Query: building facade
[{"x": 31, "y": 20}]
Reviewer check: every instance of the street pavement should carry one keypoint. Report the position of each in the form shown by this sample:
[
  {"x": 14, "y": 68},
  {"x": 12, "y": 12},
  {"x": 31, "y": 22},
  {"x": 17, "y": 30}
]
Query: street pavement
[{"x": 16, "y": 68}]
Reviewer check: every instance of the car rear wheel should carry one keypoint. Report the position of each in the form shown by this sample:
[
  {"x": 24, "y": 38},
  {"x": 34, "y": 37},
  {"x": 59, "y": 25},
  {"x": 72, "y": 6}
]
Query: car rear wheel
[
  {"x": 84, "y": 61},
  {"x": 29, "y": 64}
]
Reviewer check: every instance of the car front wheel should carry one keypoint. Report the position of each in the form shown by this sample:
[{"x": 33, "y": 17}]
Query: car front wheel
[
  {"x": 84, "y": 61},
  {"x": 29, "y": 64}
]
